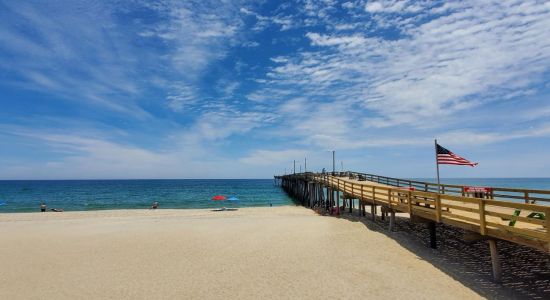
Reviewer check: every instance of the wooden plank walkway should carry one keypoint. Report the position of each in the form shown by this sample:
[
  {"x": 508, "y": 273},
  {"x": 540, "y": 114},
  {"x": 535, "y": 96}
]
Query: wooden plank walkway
[{"x": 484, "y": 216}]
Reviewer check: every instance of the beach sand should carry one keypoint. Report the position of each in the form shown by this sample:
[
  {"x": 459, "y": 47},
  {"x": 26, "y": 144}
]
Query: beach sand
[{"x": 254, "y": 253}]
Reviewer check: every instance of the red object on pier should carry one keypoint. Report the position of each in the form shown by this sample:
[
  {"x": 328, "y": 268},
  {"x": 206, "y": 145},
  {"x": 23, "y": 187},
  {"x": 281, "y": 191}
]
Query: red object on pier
[
  {"x": 477, "y": 189},
  {"x": 218, "y": 198},
  {"x": 407, "y": 188}
]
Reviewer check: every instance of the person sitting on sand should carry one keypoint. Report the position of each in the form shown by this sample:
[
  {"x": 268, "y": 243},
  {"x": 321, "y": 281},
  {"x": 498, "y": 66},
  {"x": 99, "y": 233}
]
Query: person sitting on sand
[
  {"x": 57, "y": 209},
  {"x": 42, "y": 207},
  {"x": 155, "y": 205}
]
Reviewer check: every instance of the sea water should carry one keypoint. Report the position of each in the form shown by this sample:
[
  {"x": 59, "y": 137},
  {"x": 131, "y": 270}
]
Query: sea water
[
  {"x": 80, "y": 195},
  {"x": 26, "y": 195}
]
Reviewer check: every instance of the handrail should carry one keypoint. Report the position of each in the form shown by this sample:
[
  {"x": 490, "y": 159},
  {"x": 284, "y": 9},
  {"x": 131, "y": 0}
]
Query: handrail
[{"x": 497, "y": 192}]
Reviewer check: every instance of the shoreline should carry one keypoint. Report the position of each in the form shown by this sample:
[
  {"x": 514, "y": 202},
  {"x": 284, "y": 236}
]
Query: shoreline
[{"x": 145, "y": 208}]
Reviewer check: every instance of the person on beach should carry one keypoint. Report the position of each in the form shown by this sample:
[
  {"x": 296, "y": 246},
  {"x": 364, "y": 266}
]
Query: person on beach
[
  {"x": 155, "y": 205},
  {"x": 42, "y": 207},
  {"x": 57, "y": 209}
]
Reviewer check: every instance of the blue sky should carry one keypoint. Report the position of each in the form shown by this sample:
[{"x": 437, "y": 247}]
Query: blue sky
[{"x": 240, "y": 89}]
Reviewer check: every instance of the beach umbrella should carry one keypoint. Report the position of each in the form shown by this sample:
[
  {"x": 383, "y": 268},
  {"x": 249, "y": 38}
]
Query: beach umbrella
[
  {"x": 219, "y": 198},
  {"x": 233, "y": 198}
]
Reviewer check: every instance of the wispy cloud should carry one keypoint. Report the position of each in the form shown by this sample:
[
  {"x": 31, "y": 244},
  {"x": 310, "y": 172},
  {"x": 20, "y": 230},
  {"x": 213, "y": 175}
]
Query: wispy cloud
[
  {"x": 196, "y": 32},
  {"x": 442, "y": 61},
  {"x": 78, "y": 54},
  {"x": 273, "y": 157}
]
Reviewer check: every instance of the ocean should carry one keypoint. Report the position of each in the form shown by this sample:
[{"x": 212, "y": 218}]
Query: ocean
[{"x": 81, "y": 195}]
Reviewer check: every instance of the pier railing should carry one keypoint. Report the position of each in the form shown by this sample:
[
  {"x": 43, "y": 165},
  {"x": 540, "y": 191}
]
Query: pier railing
[
  {"x": 522, "y": 223},
  {"x": 498, "y": 193}
]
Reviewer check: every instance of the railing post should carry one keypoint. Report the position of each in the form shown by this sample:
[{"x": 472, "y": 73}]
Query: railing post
[
  {"x": 351, "y": 198},
  {"x": 362, "y": 210},
  {"x": 409, "y": 202},
  {"x": 547, "y": 222},
  {"x": 438, "y": 208},
  {"x": 482, "y": 226}
]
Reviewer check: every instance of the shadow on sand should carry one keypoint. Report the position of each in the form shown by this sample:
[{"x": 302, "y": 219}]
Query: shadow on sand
[
  {"x": 525, "y": 271},
  {"x": 225, "y": 209}
]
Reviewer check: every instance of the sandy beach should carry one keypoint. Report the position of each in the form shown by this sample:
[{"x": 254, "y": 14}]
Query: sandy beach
[{"x": 269, "y": 253}]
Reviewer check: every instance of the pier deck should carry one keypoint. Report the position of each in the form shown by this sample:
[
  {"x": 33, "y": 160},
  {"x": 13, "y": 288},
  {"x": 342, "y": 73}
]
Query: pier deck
[{"x": 484, "y": 216}]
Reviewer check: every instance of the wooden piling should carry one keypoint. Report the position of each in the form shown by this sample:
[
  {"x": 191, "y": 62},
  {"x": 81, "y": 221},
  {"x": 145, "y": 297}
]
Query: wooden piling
[
  {"x": 392, "y": 219},
  {"x": 495, "y": 261},
  {"x": 433, "y": 238},
  {"x": 338, "y": 200}
]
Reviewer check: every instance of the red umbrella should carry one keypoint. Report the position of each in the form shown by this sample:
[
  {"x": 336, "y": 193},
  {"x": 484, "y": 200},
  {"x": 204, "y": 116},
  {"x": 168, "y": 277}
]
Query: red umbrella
[{"x": 218, "y": 198}]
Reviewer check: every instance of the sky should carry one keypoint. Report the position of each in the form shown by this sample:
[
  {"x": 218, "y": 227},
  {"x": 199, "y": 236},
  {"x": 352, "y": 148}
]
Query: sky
[{"x": 241, "y": 89}]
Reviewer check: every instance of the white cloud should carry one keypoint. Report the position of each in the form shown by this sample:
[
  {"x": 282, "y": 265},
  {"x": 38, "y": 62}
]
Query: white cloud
[
  {"x": 182, "y": 96},
  {"x": 227, "y": 87},
  {"x": 198, "y": 35},
  {"x": 250, "y": 44},
  {"x": 273, "y": 157},
  {"x": 373, "y": 7},
  {"x": 191, "y": 154}
]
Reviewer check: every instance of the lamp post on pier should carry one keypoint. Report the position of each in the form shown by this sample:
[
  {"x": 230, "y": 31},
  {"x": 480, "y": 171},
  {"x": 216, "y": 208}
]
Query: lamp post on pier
[{"x": 333, "y": 161}]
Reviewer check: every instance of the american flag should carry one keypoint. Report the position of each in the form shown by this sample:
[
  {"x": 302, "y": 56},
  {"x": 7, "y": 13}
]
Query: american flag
[{"x": 446, "y": 157}]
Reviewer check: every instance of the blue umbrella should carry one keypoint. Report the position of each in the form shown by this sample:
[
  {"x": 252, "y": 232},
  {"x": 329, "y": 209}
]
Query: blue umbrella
[{"x": 233, "y": 198}]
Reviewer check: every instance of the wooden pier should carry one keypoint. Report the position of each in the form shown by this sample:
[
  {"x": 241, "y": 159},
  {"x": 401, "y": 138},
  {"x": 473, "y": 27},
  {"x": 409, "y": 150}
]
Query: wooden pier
[{"x": 514, "y": 215}]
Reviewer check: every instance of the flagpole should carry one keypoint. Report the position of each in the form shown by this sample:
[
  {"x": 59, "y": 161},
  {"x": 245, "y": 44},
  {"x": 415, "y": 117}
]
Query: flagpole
[{"x": 437, "y": 165}]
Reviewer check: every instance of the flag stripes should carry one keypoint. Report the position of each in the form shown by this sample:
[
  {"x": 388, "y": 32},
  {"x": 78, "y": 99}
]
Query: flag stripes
[{"x": 446, "y": 157}]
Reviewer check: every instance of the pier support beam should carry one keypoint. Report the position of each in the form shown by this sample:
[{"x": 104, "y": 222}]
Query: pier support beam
[
  {"x": 433, "y": 239},
  {"x": 392, "y": 219},
  {"x": 338, "y": 201},
  {"x": 373, "y": 212},
  {"x": 495, "y": 261}
]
